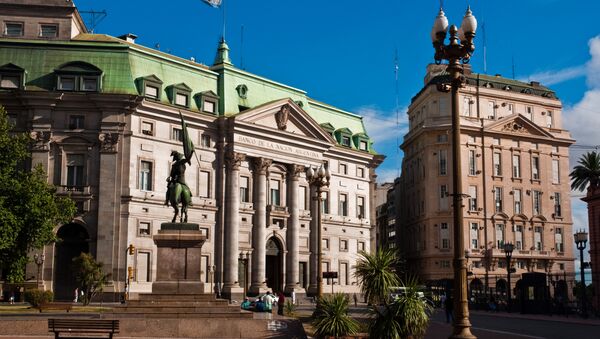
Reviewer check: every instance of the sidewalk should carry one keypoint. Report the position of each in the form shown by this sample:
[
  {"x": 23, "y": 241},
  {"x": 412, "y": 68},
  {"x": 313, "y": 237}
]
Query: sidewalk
[{"x": 572, "y": 319}]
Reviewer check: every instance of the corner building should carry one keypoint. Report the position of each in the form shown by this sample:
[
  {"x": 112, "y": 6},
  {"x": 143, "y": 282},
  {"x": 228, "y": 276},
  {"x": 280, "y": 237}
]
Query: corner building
[
  {"x": 515, "y": 161},
  {"x": 104, "y": 116}
]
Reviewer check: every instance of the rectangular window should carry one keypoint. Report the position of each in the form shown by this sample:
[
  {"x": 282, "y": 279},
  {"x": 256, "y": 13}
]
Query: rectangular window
[
  {"x": 472, "y": 198},
  {"x": 361, "y": 245},
  {"x": 558, "y": 240},
  {"x": 443, "y": 162},
  {"x": 519, "y": 237},
  {"x": 13, "y": 29},
  {"x": 557, "y": 205},
  {"x": 345, "y": 141},
  {"x": 497, "y": 164},
  {"x": 555, "y": 172},
  {"x": 516, "y": 165},
  {"x": 143, "y": 267},
  {"x": 360, "y": 207},
  {"x": 467, "y": 106},
  {"x": 151, "y": 92},
  {"x": 10, "y": 81},
  {"x": 360, "y": 172},
  {"x": 529, "y": 112},
  {"x": 204, "y": 182},
  {"x": 325, "y": 243},
  {"x": 66, "y": 83},
  {"x": 75, "y": 169},
  {"x": 474, "y": 235},
  {"x": 549, "y": 119},
  {"x": 343, "y": 245},
  {"x": 518, "y": 205},
  {"x": 510, "y": 108},
  {"x": 176, "y": 134},
  {"x": 209, "y": 106},
  {"x": 537, "y": 238},
  {"x": 537, "y": 202},
  {"x": 48, "y": 31},
  {"x": 325, "y": 203},
  {"x": 499, "y": 236},
  {"x": 89, "y": 84},
  {"x": 472, "y": 163},
  {"x": 443, "y": 197},
  {"x": 343, "y": 169},
  {"x": 302, "y": 197},
  {"x": 445, "y": 263},
  {"x": 444, "y": 235},
  {"x": 496, "y": 141},
  {"x": 275, "y": 193},
  {"x": 181, "y": 99},
  {"x": 442, "y": 138},
  {"x": 491, "y": 110},
  {"x": 147, "y": 128},
  {"x": 205, "y": 141},
  {"x": 364, "y": 146},
  {"x": 535, "y": 168},
  {"x": 343, "y": 208},
  {"x": 144, "y": 229},
  {"x": 145, "y": 175},
  {"x": 498, "y": 198},
  {"x": 343, "y": 276},
  {"x": 245, "y": 189},
  {"x": 76, "y": 121}
]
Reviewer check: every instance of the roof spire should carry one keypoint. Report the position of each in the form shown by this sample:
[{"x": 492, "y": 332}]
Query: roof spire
[{"x": 222, "y": 56}]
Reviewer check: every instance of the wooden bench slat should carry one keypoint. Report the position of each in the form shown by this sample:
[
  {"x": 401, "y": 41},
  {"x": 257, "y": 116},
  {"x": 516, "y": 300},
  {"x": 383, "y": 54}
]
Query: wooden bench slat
[{"x": 94, "y": 326}]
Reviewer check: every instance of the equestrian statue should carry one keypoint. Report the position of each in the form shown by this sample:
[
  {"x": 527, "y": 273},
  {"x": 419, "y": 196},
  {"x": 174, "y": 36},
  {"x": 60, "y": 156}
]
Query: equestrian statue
[{"x": 178, "y": 191}]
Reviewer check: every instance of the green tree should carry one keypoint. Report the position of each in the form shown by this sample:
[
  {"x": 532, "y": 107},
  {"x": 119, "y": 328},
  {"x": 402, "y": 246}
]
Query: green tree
[
  {"x": 587, "y": 172},
  {"x": 90, "y": 276},
  {"x": 331, "y": 318},
  {"x": 375, "y": 274},
  {"x": 29, "y": 208}
]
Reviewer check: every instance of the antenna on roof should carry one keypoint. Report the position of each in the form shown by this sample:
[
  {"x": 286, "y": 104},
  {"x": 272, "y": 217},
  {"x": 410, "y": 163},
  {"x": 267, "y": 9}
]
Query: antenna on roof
[
  {"x": 95, "y": 18},
  {"x": 484, "y": 49},
  {"x": 396, "y": 70},
  {"x": 513, "y": 66}
]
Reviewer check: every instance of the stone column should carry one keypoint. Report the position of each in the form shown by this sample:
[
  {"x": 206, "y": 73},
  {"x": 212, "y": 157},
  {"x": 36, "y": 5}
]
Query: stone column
[
  {"x": 259, "y": 230},
  {"x": 293, "y": 230},
  {"x": 232, "y": 204},
  {"x": 314, "y": 242}
]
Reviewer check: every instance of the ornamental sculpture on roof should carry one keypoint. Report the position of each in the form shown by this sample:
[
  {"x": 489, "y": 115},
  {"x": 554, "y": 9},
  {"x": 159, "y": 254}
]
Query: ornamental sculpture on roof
[{"x": 281, "y": 117}]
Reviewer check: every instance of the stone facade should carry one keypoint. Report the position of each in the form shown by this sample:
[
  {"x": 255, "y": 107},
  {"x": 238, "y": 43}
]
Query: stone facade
[
  {"x": 104, "y": 115},
  {"x": 515, "y": 160}
]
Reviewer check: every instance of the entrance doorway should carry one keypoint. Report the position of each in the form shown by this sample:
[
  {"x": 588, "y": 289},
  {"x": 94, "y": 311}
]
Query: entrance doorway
[
  {"x": 274, "y": 265},
  {"x": 73, "y": 241}
]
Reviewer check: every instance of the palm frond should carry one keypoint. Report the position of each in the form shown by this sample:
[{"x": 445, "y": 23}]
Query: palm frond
[
  {"x": 375, "y": 274},
  {"x": 587, "y": 172},
  {"x": 331, "y": 318}
]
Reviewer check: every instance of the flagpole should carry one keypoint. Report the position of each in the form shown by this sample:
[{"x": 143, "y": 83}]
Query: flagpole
[{"x": 224, "y": 19}]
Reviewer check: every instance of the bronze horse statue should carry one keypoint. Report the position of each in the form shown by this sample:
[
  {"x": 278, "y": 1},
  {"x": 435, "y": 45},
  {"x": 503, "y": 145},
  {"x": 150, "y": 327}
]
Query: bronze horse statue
[{"x": 178, "y": 191}]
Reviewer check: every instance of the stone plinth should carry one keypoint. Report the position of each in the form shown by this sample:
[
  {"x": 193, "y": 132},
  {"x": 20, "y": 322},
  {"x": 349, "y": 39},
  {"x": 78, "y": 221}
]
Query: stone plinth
[{"x": 178, "y": 259}]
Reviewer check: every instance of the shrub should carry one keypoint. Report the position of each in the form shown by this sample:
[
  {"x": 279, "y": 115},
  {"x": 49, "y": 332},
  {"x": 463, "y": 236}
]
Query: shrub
[
  {"x": 331, "y": 317},
  {"x": 37, "y": 297},
  {"x": 289, "y": 309}
]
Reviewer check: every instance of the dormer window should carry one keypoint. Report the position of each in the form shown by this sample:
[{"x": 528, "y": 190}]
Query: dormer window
[
  {"x": 11, "y": 77},
  {"x": 180, "y": 94},
  {"x": 346, "y": 141},
  {"x": 79, "y": 77},
  {"x": 364, "y": 146},
  {"x": 207, "y": 101},
  {"x": 150, "y": 87},
  {"x": 13, "y": 29},
  {"x": 48, "y": 30},
  {"x": 362, "y": 141},
  {"x": 343, "y": 137}
]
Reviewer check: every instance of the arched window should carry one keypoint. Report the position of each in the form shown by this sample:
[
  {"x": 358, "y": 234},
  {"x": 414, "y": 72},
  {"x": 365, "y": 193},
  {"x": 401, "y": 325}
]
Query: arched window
[{"x": 78, "y": 76}]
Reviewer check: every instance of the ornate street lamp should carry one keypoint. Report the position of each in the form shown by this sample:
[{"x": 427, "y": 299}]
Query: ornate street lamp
[
  {"x": 508, "y": 250},
  {"x": 581, "y": 239},
  {"x": 39, "y": 261},
  {"x": 458, "y": 51},
  {"x": 244, "y": 258},
  {"x": 319, "y": 179}
]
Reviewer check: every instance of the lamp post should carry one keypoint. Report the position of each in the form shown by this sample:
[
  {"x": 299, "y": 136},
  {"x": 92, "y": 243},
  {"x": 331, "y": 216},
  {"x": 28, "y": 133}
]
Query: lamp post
[
  {"x": 39, "y": 261},
  {"x": 508, "y": 250},
  {"x": 581, "y": 239},
  {"x": 319, "y": 179},
  {"x": 130, "y": 251},
  {"x": 244, "y": 258},
  {"x": 458, "y": 50}
]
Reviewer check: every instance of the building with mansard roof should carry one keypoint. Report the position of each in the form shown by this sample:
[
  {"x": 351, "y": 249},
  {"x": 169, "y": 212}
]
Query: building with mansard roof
[
  {"x": 515, "y": 160},
  {"x": 103, "y": 113}
]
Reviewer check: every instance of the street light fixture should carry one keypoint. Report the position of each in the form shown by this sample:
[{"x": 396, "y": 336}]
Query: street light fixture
[
  {"x": 39, "y": 261},
  {"x": 244, "y": 258},
  {"x": 581, "y": 239},
  {"x": 131, "y": 251},
  {"x": 319, "y": 179},
  {"x": 459, "y": 50},
  {"x": 508, "y": 250}
]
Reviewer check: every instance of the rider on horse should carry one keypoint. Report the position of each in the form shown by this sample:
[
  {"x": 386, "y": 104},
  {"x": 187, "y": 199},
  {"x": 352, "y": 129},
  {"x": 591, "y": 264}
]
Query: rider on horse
[{"x": 177, "y": 175}]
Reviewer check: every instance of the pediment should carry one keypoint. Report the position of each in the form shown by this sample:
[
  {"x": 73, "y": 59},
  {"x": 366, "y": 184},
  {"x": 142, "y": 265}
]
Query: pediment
[
  {"x": 152, "y": 78},
  {"x": 519, "y": 125},
  {"x": 287, "y": 117}
]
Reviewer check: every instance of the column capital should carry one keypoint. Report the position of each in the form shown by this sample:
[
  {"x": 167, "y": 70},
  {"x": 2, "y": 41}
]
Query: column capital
[
  {"x": 261, "y": 165},
  {"x": 294, "y": 171},
  {"x": 233, "y": 160}
]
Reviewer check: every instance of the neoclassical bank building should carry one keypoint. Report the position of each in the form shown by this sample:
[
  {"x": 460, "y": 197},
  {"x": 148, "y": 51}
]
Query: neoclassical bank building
[{"x": 103, "y": 114}]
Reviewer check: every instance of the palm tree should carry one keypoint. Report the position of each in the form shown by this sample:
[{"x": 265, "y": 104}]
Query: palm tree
[
  {"x": 375, "y": 274},
  {"x": 331, "y": 318},
  {"x": 587, "y": 172}
]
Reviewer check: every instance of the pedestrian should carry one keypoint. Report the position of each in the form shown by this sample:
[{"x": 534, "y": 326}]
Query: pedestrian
[
  {"x": 355, "y": 299},
  {"x": 449, "y": 307},
  {"x": 76, "y": 295},
  {"x": 280, "y": 303},
  {"x": 293, "y": 297},
  {"x": 269, "y": 299}
]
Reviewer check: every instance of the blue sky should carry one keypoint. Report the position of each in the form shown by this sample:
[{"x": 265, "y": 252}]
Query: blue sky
[{"x": 342, "y": 51}]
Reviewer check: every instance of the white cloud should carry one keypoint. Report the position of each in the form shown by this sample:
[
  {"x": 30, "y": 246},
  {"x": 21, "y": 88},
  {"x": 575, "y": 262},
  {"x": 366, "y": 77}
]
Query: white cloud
[
  {"x": 386, "y": 175},
  {"x": 549, "y": 78},
  {"x": 382, "y": 126}
]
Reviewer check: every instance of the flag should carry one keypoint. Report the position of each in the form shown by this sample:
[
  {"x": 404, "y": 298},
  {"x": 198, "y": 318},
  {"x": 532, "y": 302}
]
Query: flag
[
  {"x": 188, "y": 145},
  {"x": 213, "y": 3}
]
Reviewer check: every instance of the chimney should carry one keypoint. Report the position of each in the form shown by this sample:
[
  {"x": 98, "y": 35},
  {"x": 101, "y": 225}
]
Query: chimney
[
  {"x": 129, "y": 37},
  {"x": 535, "y": 84}
]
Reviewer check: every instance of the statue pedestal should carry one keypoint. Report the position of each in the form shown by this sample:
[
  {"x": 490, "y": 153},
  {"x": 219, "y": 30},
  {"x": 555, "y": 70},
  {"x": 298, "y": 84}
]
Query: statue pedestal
[{"x": 178, "y": 259}]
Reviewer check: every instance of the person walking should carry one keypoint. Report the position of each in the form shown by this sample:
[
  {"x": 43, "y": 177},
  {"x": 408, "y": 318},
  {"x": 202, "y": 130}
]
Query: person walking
[
  {"x": 449, "y": 307},
  {"x": 355, "y": 299},
  {"x": 269, "y": 299},
  {"x": 280, "y": 303}
]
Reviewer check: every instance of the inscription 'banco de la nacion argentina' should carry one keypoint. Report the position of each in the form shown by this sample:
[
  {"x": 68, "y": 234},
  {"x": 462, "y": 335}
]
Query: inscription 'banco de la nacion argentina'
[{"x": 279, "y": 147}]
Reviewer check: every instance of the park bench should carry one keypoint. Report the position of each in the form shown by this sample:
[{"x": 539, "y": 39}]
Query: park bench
[
  {"x": 55, "y": 306},
  {"x": 93, "y": 327}
]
